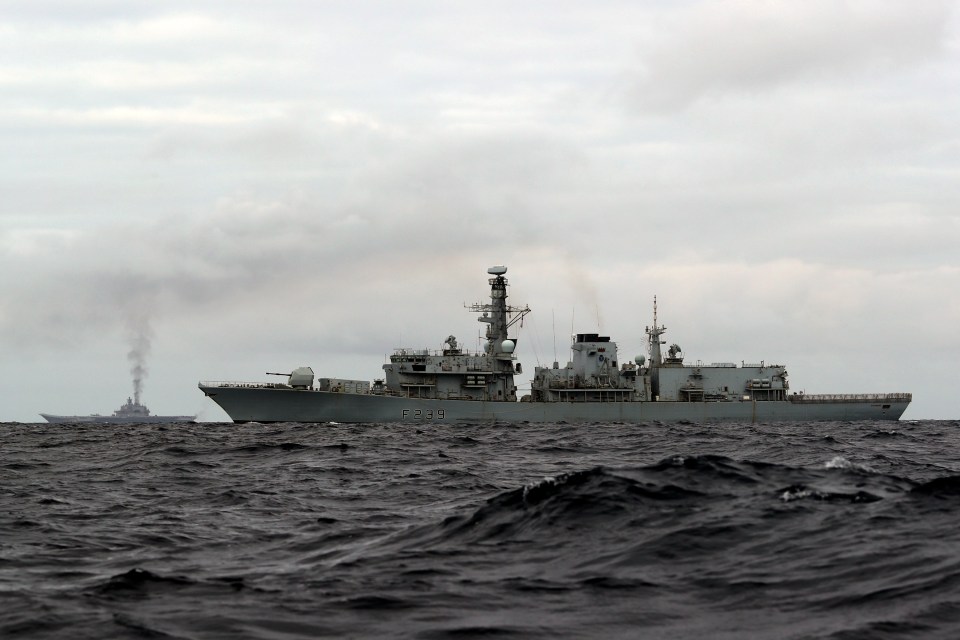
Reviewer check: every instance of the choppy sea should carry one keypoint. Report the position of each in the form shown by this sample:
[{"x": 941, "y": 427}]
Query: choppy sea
[{"x": 826, "y": 530}]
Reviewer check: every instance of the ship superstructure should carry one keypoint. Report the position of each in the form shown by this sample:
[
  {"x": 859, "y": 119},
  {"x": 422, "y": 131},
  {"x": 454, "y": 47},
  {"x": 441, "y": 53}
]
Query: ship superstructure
[
  {"x": 454, "y": 385},
  {"x": 456, "y": 374},
  {"x": 595, "y": 374}
]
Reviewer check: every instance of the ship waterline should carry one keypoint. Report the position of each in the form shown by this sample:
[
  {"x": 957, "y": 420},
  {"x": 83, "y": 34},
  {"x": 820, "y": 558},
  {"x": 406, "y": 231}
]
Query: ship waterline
[
  {"x": 453, "y": 385},
  {"x": 251, "y": 403}
]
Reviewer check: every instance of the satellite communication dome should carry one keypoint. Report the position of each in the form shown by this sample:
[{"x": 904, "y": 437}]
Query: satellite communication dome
[
  {"x": 497, "y": 271},
  {"x": 640, "y": 360},
  {"x": 508, "y": 346}
]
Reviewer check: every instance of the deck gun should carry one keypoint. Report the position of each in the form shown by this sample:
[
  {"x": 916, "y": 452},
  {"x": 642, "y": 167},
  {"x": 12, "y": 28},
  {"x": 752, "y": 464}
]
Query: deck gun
[{"x": 299, "y": 378}]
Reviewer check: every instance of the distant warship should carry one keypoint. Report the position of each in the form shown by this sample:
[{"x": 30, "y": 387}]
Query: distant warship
[
  {"x": 453, "y": 385},
  {"x": 131, "y": 412}
]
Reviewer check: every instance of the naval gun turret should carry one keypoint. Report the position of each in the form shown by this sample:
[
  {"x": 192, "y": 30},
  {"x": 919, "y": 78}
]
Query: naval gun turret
[{"x": 299, "y": 378}]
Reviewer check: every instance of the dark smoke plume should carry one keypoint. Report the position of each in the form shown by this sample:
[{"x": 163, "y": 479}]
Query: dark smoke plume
[{"x": 139, "y": 336}]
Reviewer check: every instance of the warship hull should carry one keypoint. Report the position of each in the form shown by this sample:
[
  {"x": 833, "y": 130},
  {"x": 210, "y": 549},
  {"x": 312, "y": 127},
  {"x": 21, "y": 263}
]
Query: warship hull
[
  {"x": 454, "y": 385},
  {"x": 116, "y": 419},
  {"x": 131, "y": 412},
  {"x": 248, "y": 403}
]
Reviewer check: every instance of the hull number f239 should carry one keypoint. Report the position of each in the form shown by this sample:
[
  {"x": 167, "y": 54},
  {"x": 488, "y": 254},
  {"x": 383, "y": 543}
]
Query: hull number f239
[{"x": 422, "y": 414}]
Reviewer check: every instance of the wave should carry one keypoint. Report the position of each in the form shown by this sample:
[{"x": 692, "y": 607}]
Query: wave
[
  {"x": 140, "y": 583},
  {"x": 578, "y": 498},
  {"x": 843, "y": 530},
  {"x": 948, "y": 486},
  {"x": 695, "y": 504}
]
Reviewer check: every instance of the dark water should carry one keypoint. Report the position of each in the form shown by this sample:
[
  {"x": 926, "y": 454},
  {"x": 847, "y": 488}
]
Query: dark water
[{"x": 835, "y": 530}]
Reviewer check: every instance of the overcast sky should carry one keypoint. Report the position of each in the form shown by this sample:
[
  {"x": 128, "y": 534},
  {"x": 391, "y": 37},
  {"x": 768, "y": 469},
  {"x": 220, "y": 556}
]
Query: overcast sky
[{"x": 231, "y": 188}]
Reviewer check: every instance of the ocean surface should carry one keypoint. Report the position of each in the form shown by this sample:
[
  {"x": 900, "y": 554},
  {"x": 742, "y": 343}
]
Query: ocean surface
[{"x": 825, "y": 530}]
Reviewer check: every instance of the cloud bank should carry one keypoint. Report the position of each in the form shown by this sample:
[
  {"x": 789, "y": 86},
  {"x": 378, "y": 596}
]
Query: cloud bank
[{"x": 318, "y": 184}]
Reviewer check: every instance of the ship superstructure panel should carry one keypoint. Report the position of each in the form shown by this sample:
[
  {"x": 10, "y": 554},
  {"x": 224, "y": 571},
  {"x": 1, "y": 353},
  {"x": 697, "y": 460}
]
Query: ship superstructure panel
[
  {"x": 450, "y": 374},
  {"x": 722, "y": 383},
  {"x": 592, "y": 375}
]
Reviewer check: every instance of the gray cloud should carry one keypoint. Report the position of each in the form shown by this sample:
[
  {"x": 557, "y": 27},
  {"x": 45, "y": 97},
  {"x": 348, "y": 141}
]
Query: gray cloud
[
  {"x": 303, "y": 185},
  {"x": 750, "y": 46}
]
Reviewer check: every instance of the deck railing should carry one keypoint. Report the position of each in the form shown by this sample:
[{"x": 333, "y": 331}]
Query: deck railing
[
  {"x": 244, "y": 385},
  {"x": 825, "y": 398}
]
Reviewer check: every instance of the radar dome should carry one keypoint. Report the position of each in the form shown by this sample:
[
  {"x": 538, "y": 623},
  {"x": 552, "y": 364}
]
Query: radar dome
[
  {"x": 640, "y": 360},
  {"x": 498, "y": 270},
  {"x": 507, "y": 346}
]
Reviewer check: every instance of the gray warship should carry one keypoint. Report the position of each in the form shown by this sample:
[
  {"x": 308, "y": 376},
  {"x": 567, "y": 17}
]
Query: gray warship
[
  {"x": 453, "y": 385},
  {"x": 129, "y": 413}
]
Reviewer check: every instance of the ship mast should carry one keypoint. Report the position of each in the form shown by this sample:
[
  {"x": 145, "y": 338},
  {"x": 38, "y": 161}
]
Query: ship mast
[
  {"x": 496, "y": 314},
  {"x": 653, "y": 336}
]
